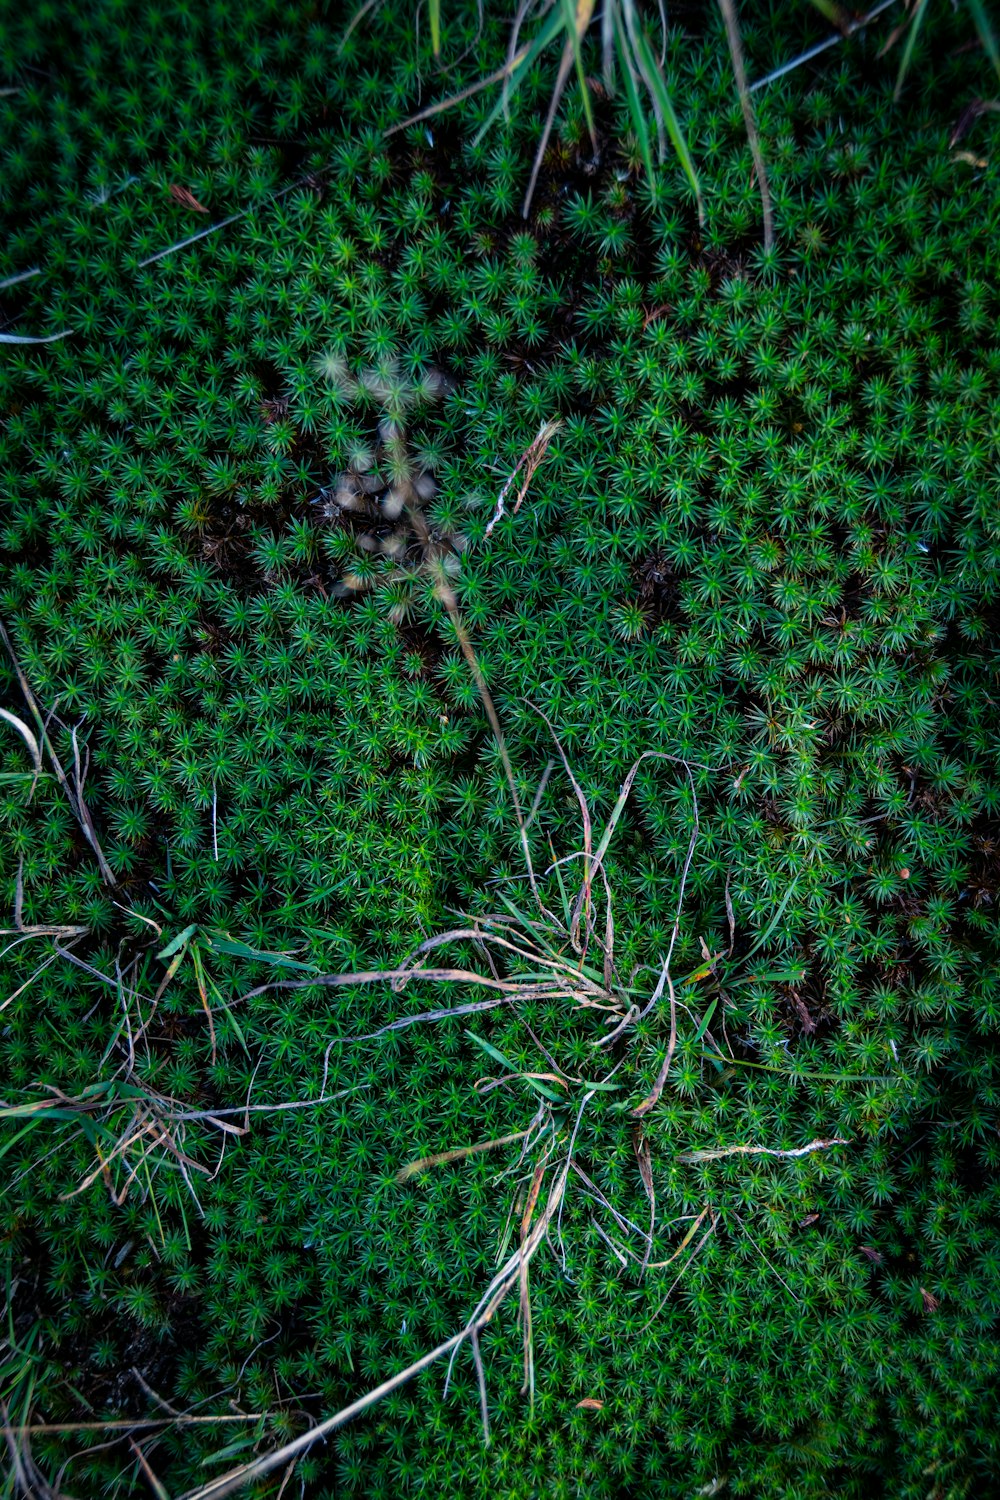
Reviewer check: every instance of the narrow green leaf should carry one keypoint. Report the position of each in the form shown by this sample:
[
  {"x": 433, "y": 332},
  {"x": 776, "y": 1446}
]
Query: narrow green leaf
[
  {"x": 512, "y": 76},
  {"x": 919, "y": 12},
  {"x": 533, "y": 1083},
  {"x": 987, "y": 35},
  {"x": 492, "y": 1052},
  {"x": 634, "y": 103},
  {"x": 236, "y": 949},
  {"x": 575, "y": 40},
  {"x": 703, "y": 1024},
  {"x": 656, "y": 83},
  {"x": 180, "y": 941}
]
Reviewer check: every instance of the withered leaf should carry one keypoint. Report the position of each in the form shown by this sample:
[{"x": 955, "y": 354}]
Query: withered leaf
[
  {"x": 529, "y": 1208},
  {"x": 873, "y": 1255},
  {"x": 590, "y": 1403},
  {"x": 808, "y": 1024},
  {"x": 645, "y": 1164},
  {"x": 186, "y": 198},
  {"x": 931, "y": 1303}
]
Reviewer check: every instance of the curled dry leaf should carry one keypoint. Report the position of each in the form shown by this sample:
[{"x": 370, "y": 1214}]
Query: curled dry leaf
[
  {"x": 186, "y": 198},
  {"x": 931, "y": 1303},
  {"x": 873, "y": 1255},
  {"x": 590, "y": 1403}
]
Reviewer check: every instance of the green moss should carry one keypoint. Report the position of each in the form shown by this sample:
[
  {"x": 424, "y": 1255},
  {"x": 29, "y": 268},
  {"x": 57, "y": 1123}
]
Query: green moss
[{"x": 764, "y": 538}]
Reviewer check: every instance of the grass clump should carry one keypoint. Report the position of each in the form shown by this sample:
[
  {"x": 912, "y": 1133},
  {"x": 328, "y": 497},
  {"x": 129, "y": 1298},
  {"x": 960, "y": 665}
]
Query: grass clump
[{"x": 762, "y": 539}]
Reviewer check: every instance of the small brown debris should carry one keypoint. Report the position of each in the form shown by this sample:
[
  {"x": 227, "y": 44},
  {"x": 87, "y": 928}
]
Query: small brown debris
[
  {"x": 931, "y": 1303},
  {"x": 590, "y": 1403},
  {"x": 186, "y": 198},
  {"x": 274, "y": 410},
  {"x": 808, "y": 1024},
  {"x": 970, "y": 114},
  {"x": 873, "y": 1255}
]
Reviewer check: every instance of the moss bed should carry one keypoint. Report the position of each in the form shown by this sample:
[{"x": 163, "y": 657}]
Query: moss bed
[{"x": 764, "y": 539}]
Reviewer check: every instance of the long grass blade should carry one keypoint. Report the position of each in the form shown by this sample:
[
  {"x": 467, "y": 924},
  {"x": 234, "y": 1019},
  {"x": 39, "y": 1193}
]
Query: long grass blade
[
  {"x": 728, "y": 8},
  {"x": 625, "y": 67},
  {"x": 987, "y": 35},
  {"x": 919, "y": 11},
  {"x": 578, "y": 19},
  {"x": 656, "y": 84}
]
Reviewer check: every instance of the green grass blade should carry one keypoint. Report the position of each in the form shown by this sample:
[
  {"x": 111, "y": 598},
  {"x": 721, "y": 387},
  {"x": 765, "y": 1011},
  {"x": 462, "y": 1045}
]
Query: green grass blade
[
  {"x": 511, "y": 74},
  {"x": 20, "y": 1134},
  {"x": 505, "y": 1062},
  {"x": 634, "y": 103},
  {"x": 911, "y": 41},
  {"x": 577, "y": 19},
  {"x": 703, "y": 1024},
  {"x": 657, "y": 86},
  {"x": 228, "y": 1011},
  {"x": 774, "y": 920},
  {"x": 180, "y": 941},
  {"x": 987, "y": 35},
  {"x": 434, "y": 7},
  {"x": 235, "y": 949},
  {"x": 491, "y": 1051}
]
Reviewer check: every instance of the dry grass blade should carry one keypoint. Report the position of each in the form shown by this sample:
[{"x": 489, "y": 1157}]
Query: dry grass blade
[
  {"x": 134, "y": 1132},
  {"x": 27, "y": 736},
  {"x": 820, "y": 47},
  {"x": 22, "y": 338},
  {"x": 403, "y": 973},
  {"x": 74, "y": 793},
  {"x": 642, "y": 1156},
  {"x": 26, "y": 1477},
  {"x": 508, "y": 70},
  {"x": 18, "y": 275},
  {"x": 154, "y": 1483},
  {"x": 576, "y": 26},
  {"x": 446, "y": 594},
  {"x": 653, "y": 1096},
  {"x": 34, "y": 929},
  {"x": 716, "y": 1155},
  {"x": 499, "y": 1288},
  {"x": 969, "y": 116},
  {"x": 186, "y": 198},
  {"x": 529, "y": 462},
  {"x": 484, "y": 1409},
  {"x": 441, "y": 1158},
  {"x": 660, "y": 1265},
  {"x": 132, "y": 1424}
]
